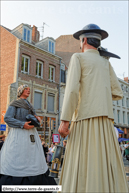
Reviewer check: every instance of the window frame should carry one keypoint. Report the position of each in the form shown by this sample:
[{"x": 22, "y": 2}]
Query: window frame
[
  {"x": 123, "y": 117},
  {"x": 118, "y": 117},
  {"x": 122, "y": 86},
  {"x": 28, "y": 34},
  {"x": 128, "y": 118},
  {"x": 52, "y": 67},
  {"x": 23, "y": 71},
  {"x": 51, "y": 45},
  {"x": 38, "y": 69},
  {"x": 123, "y": 101},
  {"x": 51, "y": 94},
  {"x": 40, "y": 92},
  {"x": 127, "y": 102},
  {"x": 25, "y": 38}
]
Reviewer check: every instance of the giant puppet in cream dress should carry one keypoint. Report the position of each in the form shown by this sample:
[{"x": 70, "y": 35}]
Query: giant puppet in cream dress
[{"x": 93, "y": 161}]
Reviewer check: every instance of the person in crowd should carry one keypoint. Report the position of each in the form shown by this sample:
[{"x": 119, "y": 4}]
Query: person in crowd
[
  {"x": 50, "y": 154},
  {"x": 127, "y": 150},
  {"x": 64, "y": 147},
  {"x": 92, "y": 155},
  {"x": 122, "y": 147},
  {"x": 53, "y": 150},
  {"x": 2, "y": 139},
  {"x": 22, "y": 158},
  {"x": 45, "y": 149},
  {"x": 51, "y": 147},
  {"x": 126, "y": 145}
]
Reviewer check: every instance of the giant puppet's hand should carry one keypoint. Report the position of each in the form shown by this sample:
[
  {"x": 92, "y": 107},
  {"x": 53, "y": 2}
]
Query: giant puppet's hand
[
  {"x": 27, "y": 126},
  {"x": 38, "y": 118},
  {"x": 63, "y": 128}
]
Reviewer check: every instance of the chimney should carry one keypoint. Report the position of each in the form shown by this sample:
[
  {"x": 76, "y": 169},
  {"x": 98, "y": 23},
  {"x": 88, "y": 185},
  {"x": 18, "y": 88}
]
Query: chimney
[
  {"x": 126, "y": 79},
  {"x": 35, "y": 34}
]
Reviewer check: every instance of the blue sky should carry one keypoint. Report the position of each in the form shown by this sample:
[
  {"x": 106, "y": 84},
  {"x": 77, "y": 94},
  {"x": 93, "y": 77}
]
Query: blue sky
[{"x": 67, "y": 17}]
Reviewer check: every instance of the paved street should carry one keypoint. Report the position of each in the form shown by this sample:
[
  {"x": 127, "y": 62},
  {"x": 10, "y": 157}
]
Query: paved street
[{"x": 126, "y": 164}]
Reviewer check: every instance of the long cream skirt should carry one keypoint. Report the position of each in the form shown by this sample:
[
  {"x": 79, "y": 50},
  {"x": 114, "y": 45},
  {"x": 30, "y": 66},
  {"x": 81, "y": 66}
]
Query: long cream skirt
[{"x": 93, "y": 161}]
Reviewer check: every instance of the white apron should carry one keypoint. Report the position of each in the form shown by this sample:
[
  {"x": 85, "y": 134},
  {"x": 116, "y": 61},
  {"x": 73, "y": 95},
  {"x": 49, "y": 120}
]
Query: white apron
[{"x": 20, "y": 156}]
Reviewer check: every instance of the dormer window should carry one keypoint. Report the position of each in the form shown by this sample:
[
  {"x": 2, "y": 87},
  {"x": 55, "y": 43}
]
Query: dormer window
[
  {"x": 26, "y": 34},
  {"x": 51, "y": 47}
]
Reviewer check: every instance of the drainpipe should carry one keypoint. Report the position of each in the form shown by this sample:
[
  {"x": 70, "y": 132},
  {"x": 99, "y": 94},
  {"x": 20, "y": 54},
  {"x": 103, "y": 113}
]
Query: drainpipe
[
  {"x": 18, "y": 61},
  {"x": 61, "y": 141},
  {"x": 59, "y": 95}
]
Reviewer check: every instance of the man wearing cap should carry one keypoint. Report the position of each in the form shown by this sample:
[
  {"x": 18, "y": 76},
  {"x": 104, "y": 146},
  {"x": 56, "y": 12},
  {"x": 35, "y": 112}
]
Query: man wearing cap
[
  {"x": 22, "y": 158},
  {"x": 94, "y": 162}
]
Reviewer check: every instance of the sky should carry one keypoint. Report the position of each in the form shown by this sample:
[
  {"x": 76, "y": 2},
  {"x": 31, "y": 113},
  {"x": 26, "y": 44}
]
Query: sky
[{"x": 68, "y": 17}]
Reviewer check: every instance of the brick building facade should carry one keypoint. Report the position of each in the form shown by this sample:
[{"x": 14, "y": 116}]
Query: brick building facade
[
  {"x": 66, "y": 46},
  {"x": 23, "y": 61}
]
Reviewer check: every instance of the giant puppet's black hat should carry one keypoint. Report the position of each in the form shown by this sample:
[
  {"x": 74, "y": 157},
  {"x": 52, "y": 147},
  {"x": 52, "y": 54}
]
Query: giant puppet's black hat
[
  {"x": 105, "y": 53},
  {"x": 91, "y": 28}
]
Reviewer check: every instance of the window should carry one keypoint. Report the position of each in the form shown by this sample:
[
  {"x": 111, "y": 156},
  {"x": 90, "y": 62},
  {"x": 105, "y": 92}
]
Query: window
[
  {"x": 123, "y": 101},
  {"x": 39, "y": 69},
  {"x": 122, "y": 87},
  {"x": 50, "y": 104},
  {"x": 25, "y": 64},
  {"x": 51, "y": 47},
  {"x": 128, "y": 117},
  {"x": 114, "y": 112},
  {"x": 52, "y": 73},
  {"x": 127, "y": 102},
  {"x": 26, "y": 36},
  {"x": 117, "y": 102},
  {"x": 118, "y": 116},
  {"x": 63, "y": 79},
  {"x": 114, "y": 102},
  {"x": 123, "y": 117},
  {"x": 38, "y": 100}
]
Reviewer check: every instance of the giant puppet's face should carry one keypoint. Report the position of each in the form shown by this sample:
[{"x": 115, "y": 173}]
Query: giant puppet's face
[{"x": 25, "y": 93}]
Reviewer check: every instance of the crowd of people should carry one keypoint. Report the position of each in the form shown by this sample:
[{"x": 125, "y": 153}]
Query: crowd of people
[{"x": 50, "y": 150}]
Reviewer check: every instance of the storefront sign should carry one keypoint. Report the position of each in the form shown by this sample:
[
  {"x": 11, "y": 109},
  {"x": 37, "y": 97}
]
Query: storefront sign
[
  {"x": 56, "y": 138},
  {"x": 2, "y": 127}
]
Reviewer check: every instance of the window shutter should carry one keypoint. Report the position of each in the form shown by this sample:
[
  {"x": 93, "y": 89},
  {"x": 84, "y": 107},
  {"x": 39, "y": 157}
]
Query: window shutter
[
  {"x": 28, "y": 36},
  {"x": 37, "y": 100},
  {"x": 63, "y": 76},
  {"x": 50, "y": 106},
  {"x": 24, "y": 34}
]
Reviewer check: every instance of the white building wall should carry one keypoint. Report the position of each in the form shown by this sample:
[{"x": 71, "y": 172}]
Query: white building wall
[{"x": 122, "y": 107}]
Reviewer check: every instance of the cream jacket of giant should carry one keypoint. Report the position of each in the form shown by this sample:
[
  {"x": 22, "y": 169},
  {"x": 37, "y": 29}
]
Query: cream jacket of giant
[{"x": 90, "y": 88}]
